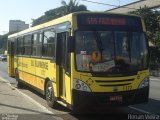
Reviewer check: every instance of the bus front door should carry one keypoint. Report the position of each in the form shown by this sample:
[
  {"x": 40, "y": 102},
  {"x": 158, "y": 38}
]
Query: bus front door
[{"x": 61, "y": 50}]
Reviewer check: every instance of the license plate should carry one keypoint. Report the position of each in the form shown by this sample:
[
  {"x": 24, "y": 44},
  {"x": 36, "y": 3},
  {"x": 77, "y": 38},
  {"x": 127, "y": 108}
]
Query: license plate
[{"x": 116, "y": 98}]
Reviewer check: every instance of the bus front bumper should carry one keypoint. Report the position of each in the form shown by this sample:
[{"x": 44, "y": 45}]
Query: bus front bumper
[{"x": 83, "y": 99}]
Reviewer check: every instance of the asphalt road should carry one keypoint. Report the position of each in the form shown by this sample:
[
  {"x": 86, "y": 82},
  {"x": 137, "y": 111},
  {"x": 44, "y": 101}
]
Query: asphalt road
[{"x": 152, "y": 109}]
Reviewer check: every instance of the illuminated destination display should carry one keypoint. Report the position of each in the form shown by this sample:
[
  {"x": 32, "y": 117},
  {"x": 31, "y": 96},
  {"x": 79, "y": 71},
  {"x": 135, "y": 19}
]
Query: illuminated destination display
[{"x": 104, "y": 20}]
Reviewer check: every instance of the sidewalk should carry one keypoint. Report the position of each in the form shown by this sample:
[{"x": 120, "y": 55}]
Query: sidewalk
[
  {"x": 155, "y": 73},
  {"x": 12, "y": 101},
  {"x": 154, "y": 78}
]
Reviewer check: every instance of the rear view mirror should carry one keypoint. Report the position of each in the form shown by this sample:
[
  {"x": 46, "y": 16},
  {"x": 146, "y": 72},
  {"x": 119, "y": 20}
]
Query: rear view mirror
[{"x": 70, "y": 44}]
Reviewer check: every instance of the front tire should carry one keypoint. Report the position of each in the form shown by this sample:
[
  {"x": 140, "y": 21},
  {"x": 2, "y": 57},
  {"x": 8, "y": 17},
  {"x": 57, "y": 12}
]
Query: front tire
[{"x": 50, "y": 97}]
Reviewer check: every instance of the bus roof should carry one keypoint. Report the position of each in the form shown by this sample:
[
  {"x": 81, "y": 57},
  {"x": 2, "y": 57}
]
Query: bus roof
[{"x": 60, "y": 20}]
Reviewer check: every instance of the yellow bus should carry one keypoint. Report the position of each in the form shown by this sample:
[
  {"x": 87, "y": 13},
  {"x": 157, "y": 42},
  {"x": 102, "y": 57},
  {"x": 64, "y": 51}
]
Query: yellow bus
[{"x": 83, "y": 59}]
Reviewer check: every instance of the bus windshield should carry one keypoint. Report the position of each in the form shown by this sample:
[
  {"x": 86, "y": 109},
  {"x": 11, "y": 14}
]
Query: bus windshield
[{"x": 110, "y": 51}]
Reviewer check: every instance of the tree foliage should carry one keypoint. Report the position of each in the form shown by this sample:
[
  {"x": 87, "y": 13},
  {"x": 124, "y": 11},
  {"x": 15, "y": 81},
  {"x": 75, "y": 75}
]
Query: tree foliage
[
  {"x": 49, "y": 15},
  {"x": 152, "y": 22},
  {"x": 150, "y": 17},
  {"x": 66, "y": 8},
  {"x": 3, "y": 43},
  {"x": 72, "y": 6}
]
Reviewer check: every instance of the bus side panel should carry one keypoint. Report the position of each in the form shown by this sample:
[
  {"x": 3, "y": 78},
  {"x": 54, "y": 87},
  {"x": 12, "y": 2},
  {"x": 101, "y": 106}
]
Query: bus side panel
[
  {"x": 45, "y": 70},
  {"x": 39, "y": 82},
  {"x": 68, "y": 88},
  {"x": 28, "y": 71},
  {"x": 15, "y": 63},
  {"x": 51, "y": 74},
  {"x": 57, "y": 80},
  {"x": 35, "y": 71},
  {"x": 20, "y": 70},
  {"x": 10, "y": 58},
  {"x": 10, "y": 65}
]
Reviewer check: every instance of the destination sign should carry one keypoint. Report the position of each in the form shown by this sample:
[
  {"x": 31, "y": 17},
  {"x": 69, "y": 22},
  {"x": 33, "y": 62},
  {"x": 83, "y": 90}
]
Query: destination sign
[
  {"x": 106, "y": 21},
  {"x": 94, "y": 20}
]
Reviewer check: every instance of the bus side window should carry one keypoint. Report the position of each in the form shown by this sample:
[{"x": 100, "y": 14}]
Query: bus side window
[
  {"x": 39, "y": 46},
  {"x": 27, "y": 44},
  {"x": 9, "y": 47},
  {"x": 36, "y": 45},
  {"x": 15, "y": 46},
  {"x": 20, "y": 48},
  {"x": 49, "y": 43}
]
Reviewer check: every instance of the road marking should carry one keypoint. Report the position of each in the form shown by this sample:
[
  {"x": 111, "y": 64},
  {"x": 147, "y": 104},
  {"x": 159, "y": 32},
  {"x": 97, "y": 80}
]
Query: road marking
[
  {"x": 140, "y": 110},
  {"x": 31, "y": 99}
]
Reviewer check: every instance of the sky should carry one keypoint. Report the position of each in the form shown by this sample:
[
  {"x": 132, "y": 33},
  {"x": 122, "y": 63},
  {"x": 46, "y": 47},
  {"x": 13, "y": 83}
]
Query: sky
[{"x": 26, "y": 10}]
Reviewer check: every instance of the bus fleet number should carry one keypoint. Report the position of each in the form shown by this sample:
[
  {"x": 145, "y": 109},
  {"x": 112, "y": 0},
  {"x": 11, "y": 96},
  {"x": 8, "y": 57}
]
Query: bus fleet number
[{"x": 127, "y": 88}]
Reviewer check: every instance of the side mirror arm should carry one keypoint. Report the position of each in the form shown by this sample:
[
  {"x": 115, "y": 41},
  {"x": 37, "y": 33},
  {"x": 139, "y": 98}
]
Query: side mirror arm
[{"x": 70, "y": 44}]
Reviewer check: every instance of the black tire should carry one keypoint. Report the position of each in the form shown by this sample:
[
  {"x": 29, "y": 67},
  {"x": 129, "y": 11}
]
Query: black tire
[
  {"x": 19, "y": 84},
  {"x": 50, "y": 98}
]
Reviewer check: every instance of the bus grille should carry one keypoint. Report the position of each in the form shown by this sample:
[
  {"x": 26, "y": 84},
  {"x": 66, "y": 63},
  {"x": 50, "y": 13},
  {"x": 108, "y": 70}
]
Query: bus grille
[{"x": 110, "y": 83}]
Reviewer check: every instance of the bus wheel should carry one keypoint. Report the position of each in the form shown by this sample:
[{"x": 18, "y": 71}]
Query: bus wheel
[
  {"x": 19, "y": 84},
  {"x": 50, "y": 98}
]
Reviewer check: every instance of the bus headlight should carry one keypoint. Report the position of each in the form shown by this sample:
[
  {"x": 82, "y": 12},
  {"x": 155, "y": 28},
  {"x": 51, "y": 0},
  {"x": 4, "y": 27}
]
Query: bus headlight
[
  {"x": 144, "y": 83},
  {"x": 80, "y": 85}
]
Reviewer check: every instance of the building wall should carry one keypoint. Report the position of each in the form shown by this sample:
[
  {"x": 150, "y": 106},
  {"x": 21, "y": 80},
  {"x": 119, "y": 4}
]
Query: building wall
[{"x": 17, "y": 25}]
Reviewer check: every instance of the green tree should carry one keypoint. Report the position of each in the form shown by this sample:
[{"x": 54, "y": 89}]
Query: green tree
[
  {"x": 156, "y": 38},
  {"x": 152, "y": 23},
  {"x": 66, "y": 8},
  {"x": 150, "y": 17},
  {"x": 49, "y": 15},
  {"x": 3, "y": 43},
  {"x": 72, "y": 6}
]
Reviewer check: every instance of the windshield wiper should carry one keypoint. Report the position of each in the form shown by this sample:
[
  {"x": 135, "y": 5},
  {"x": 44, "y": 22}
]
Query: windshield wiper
[
  {"x": 129, "y": 45},
  {"x": 99, "y": 42}
]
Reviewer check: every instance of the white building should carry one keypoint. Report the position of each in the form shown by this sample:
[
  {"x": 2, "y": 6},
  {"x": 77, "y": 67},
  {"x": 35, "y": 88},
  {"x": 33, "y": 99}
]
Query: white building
[{"x": 17, "y": 25}]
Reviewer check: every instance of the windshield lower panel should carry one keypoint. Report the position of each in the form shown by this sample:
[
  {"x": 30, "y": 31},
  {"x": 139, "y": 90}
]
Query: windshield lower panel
[{"x": 110, "y": 52}]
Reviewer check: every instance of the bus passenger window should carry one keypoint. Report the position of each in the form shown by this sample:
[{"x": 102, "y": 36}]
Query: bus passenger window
[
  {"x": 36, "y": 45},
  {"x": 49, "y": 43},
  {"x": 27, "y": 44},
  {"x": 20, "y": 48}
]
